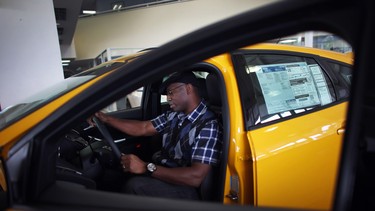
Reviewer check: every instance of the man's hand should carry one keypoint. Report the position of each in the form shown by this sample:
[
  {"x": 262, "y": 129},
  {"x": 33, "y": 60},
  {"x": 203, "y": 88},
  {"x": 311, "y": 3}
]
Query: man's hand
[
  {"x": 133, "y": 164},
  {"x": 100, "y": 115}
]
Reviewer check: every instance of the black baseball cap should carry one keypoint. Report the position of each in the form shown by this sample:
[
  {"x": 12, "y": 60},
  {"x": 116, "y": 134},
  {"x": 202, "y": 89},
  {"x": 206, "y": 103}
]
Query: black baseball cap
[{"x": 179, "y": 77}]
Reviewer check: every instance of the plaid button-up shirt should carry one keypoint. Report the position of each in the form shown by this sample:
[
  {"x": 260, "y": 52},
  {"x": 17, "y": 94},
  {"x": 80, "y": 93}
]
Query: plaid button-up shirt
[{"x": 204, "y": 147}]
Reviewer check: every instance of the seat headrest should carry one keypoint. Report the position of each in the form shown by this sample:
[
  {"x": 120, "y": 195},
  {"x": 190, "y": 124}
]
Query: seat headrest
[
  {"x": 201, "y": 85},
  {"x": 212, "y": 84}
]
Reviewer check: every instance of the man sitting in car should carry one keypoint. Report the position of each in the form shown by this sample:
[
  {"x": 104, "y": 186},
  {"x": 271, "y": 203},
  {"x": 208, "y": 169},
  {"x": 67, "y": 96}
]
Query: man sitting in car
[{"x": 191, "y": 144}]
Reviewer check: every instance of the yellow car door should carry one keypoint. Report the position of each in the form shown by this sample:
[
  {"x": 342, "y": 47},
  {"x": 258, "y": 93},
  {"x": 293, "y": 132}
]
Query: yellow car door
[
  {"x": 297, "y": 160},
  {"x": 294, "y": 107}
]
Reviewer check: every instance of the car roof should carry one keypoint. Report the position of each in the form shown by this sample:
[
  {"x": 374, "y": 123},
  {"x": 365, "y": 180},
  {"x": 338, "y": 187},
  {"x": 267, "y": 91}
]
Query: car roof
[{"x": 343, "y": 57}]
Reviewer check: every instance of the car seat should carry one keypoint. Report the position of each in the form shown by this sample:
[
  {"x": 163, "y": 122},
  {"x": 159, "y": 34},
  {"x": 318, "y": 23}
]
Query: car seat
[{"x": 209, "y": 187}]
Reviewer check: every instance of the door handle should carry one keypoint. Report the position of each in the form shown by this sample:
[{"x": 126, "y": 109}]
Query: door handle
[{"x": 340, "y": 131}]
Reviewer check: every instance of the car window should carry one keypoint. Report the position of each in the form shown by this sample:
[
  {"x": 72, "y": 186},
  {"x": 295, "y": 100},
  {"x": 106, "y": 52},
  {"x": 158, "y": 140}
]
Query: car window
[
  {"x": 19, "y": 110},
  {"x": 277, "y": 86},
  {"x": 343, "y": 73},
  {"x": 132, "y": 100}
]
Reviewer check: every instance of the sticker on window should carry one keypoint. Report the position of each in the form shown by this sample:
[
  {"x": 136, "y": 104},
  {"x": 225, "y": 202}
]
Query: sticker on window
[
  {"x": 321, "y": 84},
  {"x": 292, "y": 86}
]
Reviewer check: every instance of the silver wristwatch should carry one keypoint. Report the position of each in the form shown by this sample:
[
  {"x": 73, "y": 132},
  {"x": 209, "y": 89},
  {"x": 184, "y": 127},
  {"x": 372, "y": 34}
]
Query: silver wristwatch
[{"x": 150, "y": 168}]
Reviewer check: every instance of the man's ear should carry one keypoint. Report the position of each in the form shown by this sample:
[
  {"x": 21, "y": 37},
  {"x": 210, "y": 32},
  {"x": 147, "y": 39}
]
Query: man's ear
[{"x": 189, "y": 89}]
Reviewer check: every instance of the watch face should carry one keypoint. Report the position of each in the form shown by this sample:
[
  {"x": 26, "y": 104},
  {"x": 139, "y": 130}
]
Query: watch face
[{"x": 151, "y": 167}]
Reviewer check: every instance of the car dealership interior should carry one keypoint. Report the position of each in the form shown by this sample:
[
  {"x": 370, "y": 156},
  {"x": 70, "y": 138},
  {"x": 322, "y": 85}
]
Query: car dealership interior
[
  {"x": 72, "y": 34},
  {"x": 83, "y": 33}
]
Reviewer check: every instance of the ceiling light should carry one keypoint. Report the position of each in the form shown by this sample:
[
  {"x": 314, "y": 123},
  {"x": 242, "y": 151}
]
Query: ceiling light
[
  {"x": 117, "y": 7},
  {"x": 89, "y": 12},
  {"x": 288, "y": 41}
]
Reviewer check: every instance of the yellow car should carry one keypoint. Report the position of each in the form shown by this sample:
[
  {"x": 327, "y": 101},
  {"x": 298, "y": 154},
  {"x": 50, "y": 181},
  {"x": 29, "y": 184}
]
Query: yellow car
[{"x": 282, "y": 110}]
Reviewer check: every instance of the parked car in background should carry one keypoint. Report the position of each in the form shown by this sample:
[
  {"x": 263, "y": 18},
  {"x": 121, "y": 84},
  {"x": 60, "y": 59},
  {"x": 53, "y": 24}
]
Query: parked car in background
[{"x": 287, "y": 140}]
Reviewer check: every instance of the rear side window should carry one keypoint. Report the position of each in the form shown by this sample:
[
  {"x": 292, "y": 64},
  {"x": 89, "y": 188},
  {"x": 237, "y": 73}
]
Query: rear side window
[
  {"x": 343, "y": 73},
  {"x": 277, "y": 86},
  {"x": 130, "y": 101}
]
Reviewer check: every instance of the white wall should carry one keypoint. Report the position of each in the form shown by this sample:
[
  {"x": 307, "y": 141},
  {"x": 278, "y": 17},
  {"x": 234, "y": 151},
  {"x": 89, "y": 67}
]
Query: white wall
[
  {"x": 68, "y": 51},
  {"x": 29, "y": 53},
  {"x": 152, "y": 26}
]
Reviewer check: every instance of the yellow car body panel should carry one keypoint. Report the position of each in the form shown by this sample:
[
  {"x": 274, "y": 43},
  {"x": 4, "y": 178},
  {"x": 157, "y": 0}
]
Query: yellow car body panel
[
  {"x": 299, "y": 166},
  {"x": 3, "y": 182},
  {"x": 346, "y": 58}
]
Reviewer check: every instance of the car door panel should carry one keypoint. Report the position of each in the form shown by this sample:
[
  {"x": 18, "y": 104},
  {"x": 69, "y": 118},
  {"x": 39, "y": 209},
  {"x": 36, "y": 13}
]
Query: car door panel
[{"x": 298, "y": 158}]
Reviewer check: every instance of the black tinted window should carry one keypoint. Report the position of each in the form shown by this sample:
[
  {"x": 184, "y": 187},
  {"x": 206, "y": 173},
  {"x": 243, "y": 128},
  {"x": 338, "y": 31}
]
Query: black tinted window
[{"x": 343, "y": 73}]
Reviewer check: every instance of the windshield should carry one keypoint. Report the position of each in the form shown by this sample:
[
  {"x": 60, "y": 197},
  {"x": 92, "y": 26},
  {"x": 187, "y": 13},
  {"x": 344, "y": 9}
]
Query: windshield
[{"x": 21, "y": 109}]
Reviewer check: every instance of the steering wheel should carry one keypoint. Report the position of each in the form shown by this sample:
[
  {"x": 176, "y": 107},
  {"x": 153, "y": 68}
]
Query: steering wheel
[{"x": 107, "y": 137}]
